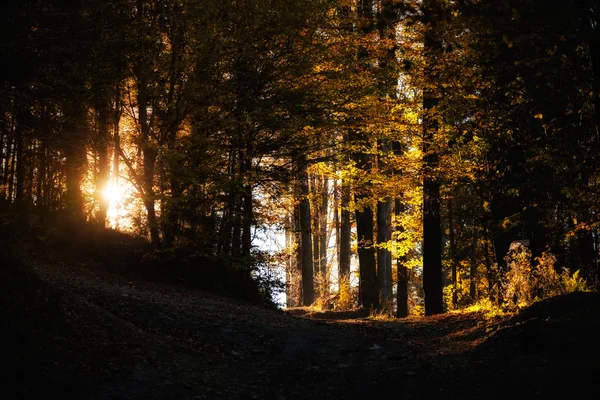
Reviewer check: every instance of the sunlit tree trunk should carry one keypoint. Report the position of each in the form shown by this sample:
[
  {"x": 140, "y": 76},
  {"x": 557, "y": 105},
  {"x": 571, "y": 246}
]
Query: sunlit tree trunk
[
  {"x": 384, "y": 236},
  {"x": 102, "y": 145},
  {"x": 323, "y": 233},
  {"x": 296, "y": 258},
  {"x": 402, "y": 273},
  {"x": 345, "y": 237},
  {"x": 149, "y": 154},
  {"x": 452, "y": 254},
  {"x": 117, "y": 112},
  {"x": 308, "y": 290},
  {"x": 289, "y": 262},
  {"x": 319, "y": 189},
  {"x": 313, "y": 188},
  {"x": 384, "y": 255}
]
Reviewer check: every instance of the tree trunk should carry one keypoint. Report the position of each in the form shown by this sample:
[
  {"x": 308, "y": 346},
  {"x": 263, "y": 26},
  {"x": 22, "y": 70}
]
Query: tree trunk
[
  {"x": 369, "y": 295},
  {"x": 149, "y": 154},
  {"x": 452, "y": 255},
  {"x": 296, "y": 290},
  {"x": 323, "y": 211},
  {"x": 42, "y": 179},
  {"x": 103, "y": 139},
  {"x": 226, "y": 228},
  {"x": 384, "y": 256},
  {"x": 247, "y": 219},
  {"x": 308, "y": 289},
  {"x": 345, "y": 237},
  {"x": 76, "y": 158},
  {"x": 7, "y": 176},
  {"x": 20, "y": 166},
  {"x": 289, "y": 263},
  {"x": 432, "y": 233},
  {"x": 116, "y": 120},
  {"x": 316, "y": 230},
  {"x": 402, "y": 273}
]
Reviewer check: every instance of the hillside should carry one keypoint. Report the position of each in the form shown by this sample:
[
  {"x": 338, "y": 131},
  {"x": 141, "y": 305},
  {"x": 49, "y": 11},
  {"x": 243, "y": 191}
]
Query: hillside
[{"x": 75, "y": 327}]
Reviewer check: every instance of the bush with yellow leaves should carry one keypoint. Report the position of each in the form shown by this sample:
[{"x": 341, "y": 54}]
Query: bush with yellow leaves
[{"x": 524, "y": 283}]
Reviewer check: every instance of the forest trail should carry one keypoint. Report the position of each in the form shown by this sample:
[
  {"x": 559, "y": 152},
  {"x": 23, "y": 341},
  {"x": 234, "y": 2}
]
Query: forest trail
[{"x": 85, "y": 332}]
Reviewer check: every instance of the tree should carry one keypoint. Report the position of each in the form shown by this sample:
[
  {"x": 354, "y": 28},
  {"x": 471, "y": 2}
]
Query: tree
[{"x": 432, "y": 235}]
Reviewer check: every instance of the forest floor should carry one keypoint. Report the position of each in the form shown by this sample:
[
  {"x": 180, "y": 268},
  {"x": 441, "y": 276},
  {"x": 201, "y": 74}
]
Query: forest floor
[{"x": 77, "y": 329}]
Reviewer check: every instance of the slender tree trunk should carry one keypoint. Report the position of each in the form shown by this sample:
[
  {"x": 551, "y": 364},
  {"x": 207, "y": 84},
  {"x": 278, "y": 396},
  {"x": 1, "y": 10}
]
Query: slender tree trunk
[
  {"x": 226, "y": 234},
  {"x": 297, "y": 290},
  {"x": 4, "y": 129},
  {"x": 8, "y": 156},
  {"x": 116, "y": 121},
  {"x": 76, "y": 158},
  {"x": 289, "y": 262},
  {"x": 432, "y": 233},
  {"x": 31, "y": 160},
  {"x": 149, "y": 154},
  {"x": 473, "y": 281},
  {"x": 149, "y": 150},
  {"x": 384, "y": 234},
  {"x": 248, "y": 206},
  {"x": 366, "y": 258},
  {"x": 452, "y": 254},
  {"x": 323, "y": 212},
  {"x": 306, "y": 246},
  {"x": 13, "y": 163},
  {"x": 402, "y": 273},
  {"x": 594, "y": 45},
  {"x": 345, "y": 237},
  {"x": 20, "y": 165},
  {"x": 313, "y": 188},
  {"x": 594, "y": 48},
  {"x": 171, "y": 216},
  {"x": 384, "y": 256},
  {"x": 247, "y": 221},
  {"x": 42, "y": 176},
  {"x": 236, "y": 240},
  {"x": 103, "y": 140},
  {"x": 488, "y": 261}
]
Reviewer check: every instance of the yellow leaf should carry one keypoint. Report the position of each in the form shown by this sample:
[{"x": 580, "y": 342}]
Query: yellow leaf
[{"x": 538, "y": 116}]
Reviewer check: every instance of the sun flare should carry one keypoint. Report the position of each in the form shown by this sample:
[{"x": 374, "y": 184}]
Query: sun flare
[{"x": 113, "y": 193}]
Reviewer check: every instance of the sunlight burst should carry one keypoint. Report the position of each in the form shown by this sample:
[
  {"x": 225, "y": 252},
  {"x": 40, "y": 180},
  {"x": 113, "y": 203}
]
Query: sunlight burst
[{"x": 113, "y": 193}]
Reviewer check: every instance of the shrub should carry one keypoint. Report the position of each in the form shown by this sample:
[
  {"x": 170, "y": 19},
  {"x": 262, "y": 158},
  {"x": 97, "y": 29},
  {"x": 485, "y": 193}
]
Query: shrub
[{"x": 524, "y": 283}]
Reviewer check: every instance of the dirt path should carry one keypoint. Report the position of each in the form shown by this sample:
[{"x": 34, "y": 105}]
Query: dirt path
[
  {"x": 165, "y": 341},
  {"x": 100, "y": 335}
]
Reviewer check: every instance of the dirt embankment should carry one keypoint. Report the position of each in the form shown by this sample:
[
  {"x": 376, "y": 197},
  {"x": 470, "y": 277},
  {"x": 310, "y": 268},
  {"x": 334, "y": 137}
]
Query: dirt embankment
[{"x": 78, "y": 330}]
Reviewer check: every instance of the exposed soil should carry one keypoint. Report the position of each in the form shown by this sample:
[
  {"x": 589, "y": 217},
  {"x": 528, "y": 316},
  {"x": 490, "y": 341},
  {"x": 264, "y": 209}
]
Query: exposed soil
[{"x": 79, "y": 329}]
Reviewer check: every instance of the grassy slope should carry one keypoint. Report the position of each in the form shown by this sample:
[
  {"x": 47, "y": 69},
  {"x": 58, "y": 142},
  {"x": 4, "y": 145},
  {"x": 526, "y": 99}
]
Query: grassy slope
[{"x": 80, "y": 322}]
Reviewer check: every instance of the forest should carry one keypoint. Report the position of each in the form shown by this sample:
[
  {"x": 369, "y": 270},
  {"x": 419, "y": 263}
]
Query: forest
[
  {"x": 299, "y": 199},
  {"x": 411, "y": 157}
]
